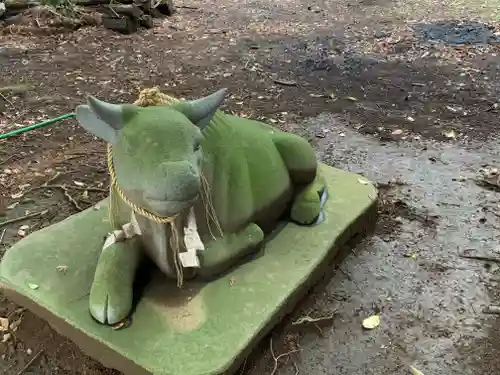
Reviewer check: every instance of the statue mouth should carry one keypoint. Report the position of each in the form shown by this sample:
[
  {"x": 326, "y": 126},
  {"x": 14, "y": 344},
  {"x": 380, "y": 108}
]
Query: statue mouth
[{"x": 170, "y": 206}]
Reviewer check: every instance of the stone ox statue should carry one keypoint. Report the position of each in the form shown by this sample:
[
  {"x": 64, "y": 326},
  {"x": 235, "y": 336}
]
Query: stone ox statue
[{"x": 192, "y": 187}]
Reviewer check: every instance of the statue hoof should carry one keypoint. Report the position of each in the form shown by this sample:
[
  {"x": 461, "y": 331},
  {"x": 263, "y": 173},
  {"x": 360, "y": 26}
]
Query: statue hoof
[
  {"x": 306, "y": 212},
  {"x": 109, "y": 308}
]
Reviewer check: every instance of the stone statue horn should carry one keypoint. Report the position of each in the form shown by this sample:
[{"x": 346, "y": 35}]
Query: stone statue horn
[
  {"x": 111, "y": 114},
  {"x": 199, "y": 111},
  {"x": 203, "y": 108}
]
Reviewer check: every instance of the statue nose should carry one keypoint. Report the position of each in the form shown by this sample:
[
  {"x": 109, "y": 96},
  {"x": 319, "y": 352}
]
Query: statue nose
[
  {"x": 181, "y": 180},
  {"x": 179, "y": 170}
]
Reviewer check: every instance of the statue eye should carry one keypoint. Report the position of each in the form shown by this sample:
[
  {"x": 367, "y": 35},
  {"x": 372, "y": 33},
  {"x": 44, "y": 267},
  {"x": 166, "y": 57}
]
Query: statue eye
[{"x": 196, "y": 146}]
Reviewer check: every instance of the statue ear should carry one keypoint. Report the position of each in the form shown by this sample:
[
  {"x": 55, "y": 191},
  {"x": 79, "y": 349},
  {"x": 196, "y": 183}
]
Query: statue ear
[
  {"x": 104, "y": 120},
  {"x": 201, "y": 111}
]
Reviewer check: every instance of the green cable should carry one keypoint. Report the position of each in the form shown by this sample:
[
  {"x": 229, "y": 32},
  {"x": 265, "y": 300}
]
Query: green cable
[{"x": 38, "y": 125}]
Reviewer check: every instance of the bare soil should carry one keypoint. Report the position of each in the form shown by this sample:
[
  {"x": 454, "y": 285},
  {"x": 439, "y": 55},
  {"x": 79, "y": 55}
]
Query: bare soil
[{"x": 283, "y": 62}]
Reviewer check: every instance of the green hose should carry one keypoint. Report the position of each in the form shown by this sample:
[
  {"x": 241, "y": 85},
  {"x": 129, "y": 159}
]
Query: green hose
[{"x": 38, "y": 125}]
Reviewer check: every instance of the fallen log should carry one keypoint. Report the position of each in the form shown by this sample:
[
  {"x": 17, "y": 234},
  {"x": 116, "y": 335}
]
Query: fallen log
[
  {"x": 130, "y": 10},
  {"x": 24, "y": 4},
  {"x": 133, "y": 8},
  {"x": 166, "y": 7},
  {"x": 101, "y": 2},
  {"x": 146, "y": 21},
  {"x": 20, "y": 4},
  {"x": 124, "y": 25}
]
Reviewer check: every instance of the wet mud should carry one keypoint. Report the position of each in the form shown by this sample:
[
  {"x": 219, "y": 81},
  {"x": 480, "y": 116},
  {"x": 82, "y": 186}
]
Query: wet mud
[{"x": 430, "y": 299}]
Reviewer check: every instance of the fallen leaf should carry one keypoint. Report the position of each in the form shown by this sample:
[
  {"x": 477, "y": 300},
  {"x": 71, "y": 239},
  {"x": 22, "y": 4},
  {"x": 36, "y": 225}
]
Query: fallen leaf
[
  {"x": 371, "y": 322},
  {"x": 33, "y": 286},
  {"x": 21, "y": 233},
  {"x": 6, "y": 337},
  {"x": 13, "y": 205},
  {"x": 15, "y": 324},
  {"x": 450, "y": 133},
  {"x": 123, "y": 324},
  {"x": 4, "y": 324},
  {"x": 490, "y": 171},
  {"x": 351, "y": 98},
  {"x": 17, "y": 195},
  {"x": 414, "y": 371},
  {"x": 412, "y": 256},
  {"x": 24, "y": 227},
  {"x": 397, "y": 132},
  {"x": 363, "y": 181},
  {"x": 78, "y": 183},
  {"x": 62, "y": 268}
]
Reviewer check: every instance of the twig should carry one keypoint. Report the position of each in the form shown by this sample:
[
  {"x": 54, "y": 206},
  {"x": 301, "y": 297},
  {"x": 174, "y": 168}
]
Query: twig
[
  {"x": 30, "y": 362},
  {"x": 70, "y": 198},
  {"x": 66, "y": 193},
  {"x": 6, "y": 159},
  {"x": 25, "y": 217},
  {"x": 350, "y": 279},
  {"x": 479, "y": 257},
  {"x": 308, "y": 319},
  {"x": 285, "y": 83},
  {"x": 52, "y": 179},
  {"x": 186, "y": 7},
  {"x": 277, "y": 358},
  {"x": 296, "y": 368},
  {"x": 7, "y": 100},
  {"x": 71, "y": 187},
  {"x": 243, "y": 366},
  {"x": 16, "y": 311},
  {"x": 491, "y": 309},
  {"x": 2, "y": 236}
]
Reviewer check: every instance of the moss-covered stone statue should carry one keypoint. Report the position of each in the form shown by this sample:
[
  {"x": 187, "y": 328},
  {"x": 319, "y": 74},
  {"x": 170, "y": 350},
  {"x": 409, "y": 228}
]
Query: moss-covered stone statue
[{"x": 194, "y": 188}]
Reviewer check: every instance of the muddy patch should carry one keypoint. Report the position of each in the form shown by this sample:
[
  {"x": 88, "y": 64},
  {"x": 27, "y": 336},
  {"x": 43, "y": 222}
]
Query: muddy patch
[{"x": 457, "y": 32}]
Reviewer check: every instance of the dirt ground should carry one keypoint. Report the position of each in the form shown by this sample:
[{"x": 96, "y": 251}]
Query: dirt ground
[{"x": 401, "y": 104}]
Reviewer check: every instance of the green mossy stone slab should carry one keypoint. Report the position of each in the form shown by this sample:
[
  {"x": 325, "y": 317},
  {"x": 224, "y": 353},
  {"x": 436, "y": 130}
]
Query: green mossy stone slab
[{"x": 202, "y": 329}]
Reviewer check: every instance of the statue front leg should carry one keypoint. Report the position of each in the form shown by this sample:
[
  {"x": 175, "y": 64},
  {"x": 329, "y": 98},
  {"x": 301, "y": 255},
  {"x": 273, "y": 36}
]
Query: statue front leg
[
  {"x": 112, "y": 289},
  {"x": 222, "y": 253},
  {"x": 300, "y": 160}
]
